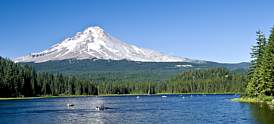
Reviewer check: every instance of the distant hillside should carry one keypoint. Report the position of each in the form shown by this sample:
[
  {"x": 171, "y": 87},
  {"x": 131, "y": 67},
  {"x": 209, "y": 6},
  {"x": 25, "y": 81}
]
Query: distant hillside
[
  {"x": 17, "y": 80},
  {"x": 127, "y": 70}
]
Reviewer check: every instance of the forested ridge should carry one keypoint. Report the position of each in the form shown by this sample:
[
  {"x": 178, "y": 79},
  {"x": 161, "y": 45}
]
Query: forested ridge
[
  {"x": 261, "y": 72},
  {"x": 18, "y": 80},
  {"x": 214, "y": 80},
  {"x": 124, "y": 70}
]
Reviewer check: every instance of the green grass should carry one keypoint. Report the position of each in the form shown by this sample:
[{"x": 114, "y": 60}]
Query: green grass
[
  {"x": 247, "y": 100},
  {"x": 259, "y": 99},
  {"x": 256, "y": 100}
]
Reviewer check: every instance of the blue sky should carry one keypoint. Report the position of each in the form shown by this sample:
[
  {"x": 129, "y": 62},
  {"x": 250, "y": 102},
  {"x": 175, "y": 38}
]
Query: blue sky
[{"x": 215, "y": 30}]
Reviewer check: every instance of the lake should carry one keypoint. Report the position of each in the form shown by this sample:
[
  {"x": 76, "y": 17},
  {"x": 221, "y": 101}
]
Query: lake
[{"x": 154, "y": 109}]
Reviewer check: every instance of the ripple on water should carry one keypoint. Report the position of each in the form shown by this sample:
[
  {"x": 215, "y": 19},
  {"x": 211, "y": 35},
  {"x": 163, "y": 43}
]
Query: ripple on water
[{"x": 128, "y": 109}]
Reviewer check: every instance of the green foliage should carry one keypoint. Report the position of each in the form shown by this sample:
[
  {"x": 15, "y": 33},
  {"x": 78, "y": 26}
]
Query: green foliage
[
  {"x": 253, "y": 99},
  {"x": 257, "y": 53},
  {"x": 267, "y": 69},
  {"x": 21, "y": 80},
  {"x": 123, "y": 70},
  {"x": 265, "y": 98},
  {"x": 261, "y": 72},
  {"x": 18, "y": 80},
  {"x": 213, "y": 80},
  {"x": 216, "y": 80}
]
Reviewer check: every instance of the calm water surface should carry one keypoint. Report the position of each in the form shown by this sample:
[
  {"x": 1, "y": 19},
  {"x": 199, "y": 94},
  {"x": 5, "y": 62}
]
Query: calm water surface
[{"x": 174, "y": 109}]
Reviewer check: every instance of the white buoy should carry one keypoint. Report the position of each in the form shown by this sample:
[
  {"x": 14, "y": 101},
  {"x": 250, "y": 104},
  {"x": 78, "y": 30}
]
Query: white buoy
[{"x": 164, "y": 96}]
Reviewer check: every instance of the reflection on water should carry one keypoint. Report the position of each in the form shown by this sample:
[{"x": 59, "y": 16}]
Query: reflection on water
[
  {"x": 262, "y": 113},
  {"x": 153, "y": 109},
  {"x": 84, "y": 111}
]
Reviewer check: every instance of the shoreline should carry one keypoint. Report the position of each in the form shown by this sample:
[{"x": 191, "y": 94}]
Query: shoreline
[
  {"x": 256, "y": 100},
  {"x": 110, "y": 95}
]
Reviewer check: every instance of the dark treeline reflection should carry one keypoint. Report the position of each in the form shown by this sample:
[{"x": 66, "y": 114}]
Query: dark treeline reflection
[{"x": 262, "y": 113}]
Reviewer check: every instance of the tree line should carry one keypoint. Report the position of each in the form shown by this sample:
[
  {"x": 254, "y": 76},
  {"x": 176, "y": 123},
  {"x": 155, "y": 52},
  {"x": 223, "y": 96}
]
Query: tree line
[
  {"x": 214, "y": 80},
  {"x": 17, "y": 80},
  {"x": 261, "y": 72}
]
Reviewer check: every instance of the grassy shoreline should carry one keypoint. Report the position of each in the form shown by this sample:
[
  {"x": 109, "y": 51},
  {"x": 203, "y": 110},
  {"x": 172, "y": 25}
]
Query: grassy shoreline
[
  {"x": 247, "y": 100},
  {"x": 64, "y": 96},
  {"x": 256, "y": 100},
  {"x": 259, "y": 99}
]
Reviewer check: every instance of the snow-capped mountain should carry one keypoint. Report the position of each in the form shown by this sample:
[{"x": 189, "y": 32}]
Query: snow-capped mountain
[{"x": 95, "y": 43}]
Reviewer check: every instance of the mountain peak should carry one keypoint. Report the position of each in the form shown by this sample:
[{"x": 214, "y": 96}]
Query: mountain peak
[
  {"x": 92, "y": 43},
  {"x": 95, "y": 30}
]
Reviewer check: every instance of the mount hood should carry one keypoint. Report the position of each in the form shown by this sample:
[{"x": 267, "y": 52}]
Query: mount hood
[{"x": 95, "y": 43}]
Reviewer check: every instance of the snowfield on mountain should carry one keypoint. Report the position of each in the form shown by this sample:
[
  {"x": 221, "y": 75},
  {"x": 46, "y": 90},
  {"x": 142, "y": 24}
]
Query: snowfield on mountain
[{"x": 95, "y": 43}]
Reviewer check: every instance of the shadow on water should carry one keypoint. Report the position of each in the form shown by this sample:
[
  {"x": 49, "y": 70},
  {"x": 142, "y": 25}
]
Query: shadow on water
[{"x": 262, "y": 113}]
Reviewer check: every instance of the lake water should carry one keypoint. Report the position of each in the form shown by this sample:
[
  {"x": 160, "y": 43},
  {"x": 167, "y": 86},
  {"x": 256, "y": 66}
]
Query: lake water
[{"x": 154, "y": 109}]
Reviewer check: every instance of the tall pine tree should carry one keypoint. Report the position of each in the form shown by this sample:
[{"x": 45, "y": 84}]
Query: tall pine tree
[
  {"x": 267, "y": 69},
  {"x": 254, "y": 76}
]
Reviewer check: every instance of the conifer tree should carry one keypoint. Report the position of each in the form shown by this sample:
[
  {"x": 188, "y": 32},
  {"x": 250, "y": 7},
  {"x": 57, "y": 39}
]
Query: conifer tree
[
  {"x": 254, "y": 76},
  {"x": 267, "y": 69}
]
